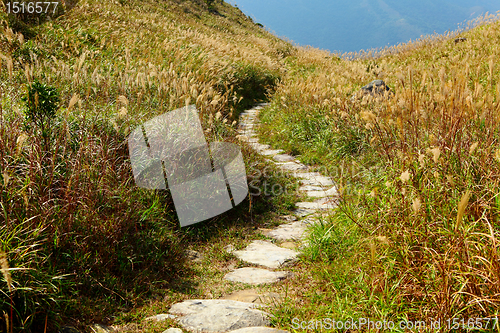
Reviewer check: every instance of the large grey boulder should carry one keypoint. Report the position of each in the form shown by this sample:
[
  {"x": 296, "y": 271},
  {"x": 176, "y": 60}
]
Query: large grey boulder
[{"x": 218, "y": 315}]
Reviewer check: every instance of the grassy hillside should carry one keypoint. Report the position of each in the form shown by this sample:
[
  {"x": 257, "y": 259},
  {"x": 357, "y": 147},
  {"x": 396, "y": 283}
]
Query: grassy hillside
[
  {"x": 79, "y": 242},
  {"x": 415, "y": 235}
]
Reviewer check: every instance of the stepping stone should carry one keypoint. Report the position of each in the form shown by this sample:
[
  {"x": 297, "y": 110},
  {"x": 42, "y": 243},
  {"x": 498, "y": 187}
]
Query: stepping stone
[
  {"x": 270, "y": 152},
  {"x": 218, "y": 315},
  {"x": 324, "y": 203},
  {"x": 259, "y": 147},
  {"x": 301, "y": 212},
  {"x": 292, "y": 166},
  {"x": 314, "y": 178},
  {"x": 294, "y": 230},
  {"x": 323, "y": 193},
  {"x": 283, "y": 158},
  {"x": 255, "y": 276},
  {"x": 252, "y": 296},
  {"x": 306, "y": 188},
  {"x": 258, "y": 330},
  {"x": 267, "y": 254}
]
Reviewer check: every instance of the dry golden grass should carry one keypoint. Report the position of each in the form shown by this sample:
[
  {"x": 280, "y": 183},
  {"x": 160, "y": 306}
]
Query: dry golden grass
[{"x": 420, "y": 168}]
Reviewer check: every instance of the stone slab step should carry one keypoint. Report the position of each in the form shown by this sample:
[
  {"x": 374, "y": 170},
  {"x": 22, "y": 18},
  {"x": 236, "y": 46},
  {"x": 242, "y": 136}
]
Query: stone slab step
[
  {"x": 271, "y": 152},
  {"x": 289, "y": 231},
  {"x": 293, "y": 166},
  {"x": 314, "y": 179},
  {"x": 332, "y": 192},
  {"x": 321, "y": 204},
  {"x": 283, "y": 158},
  {"x": 255, "y": 276},
  {"x": 267, "y": 254},
  {"x": 218, "y": 315}
]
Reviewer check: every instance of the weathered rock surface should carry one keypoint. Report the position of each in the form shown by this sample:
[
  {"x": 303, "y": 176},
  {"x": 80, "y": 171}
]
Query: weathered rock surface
[
  {"x": 173, "y": 330},
  {"x": 325, "y": 203},
  {"x": 283, "y": 158},
  {"x": 255, "y": 276},
  {"x": 216, "y": 315},
  {"x": 376, "y": 87},
  {"x": 267, "y": 254},
  {"x": 258, "y": 330},
  {"x": 292, "y": 166},
  {"x": 252, "y": 296},
  {"x": 314, "y": 179},
  {"x": 294, "y": 230},
  {"x": 271, "y": 152},
  {"x": 323, "y": 193}
]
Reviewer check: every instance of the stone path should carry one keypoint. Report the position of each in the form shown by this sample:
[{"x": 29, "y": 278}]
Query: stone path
[{"x": 245, "y": 311}]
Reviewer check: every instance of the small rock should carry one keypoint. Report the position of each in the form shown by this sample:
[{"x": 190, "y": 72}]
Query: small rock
[
  {"x": 161, "y": 317},
  {"x": 460, "y": 39},
  {"x": 255, "y": 276},
  {"x": 376, "y": 87},
  {"x": 289, "y": 218},
  {"x": 194, "y": 255},
  {"x": 229, "y": 248},
  {"x": 173, "y": 330}
]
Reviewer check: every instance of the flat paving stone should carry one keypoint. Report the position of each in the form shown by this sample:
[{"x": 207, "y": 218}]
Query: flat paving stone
[
  {"x": 218, "y": 315},
  {"x": 292, "y": 166},
  {"x": 267, "y": 254},
  {"x": 324, "y": 203},
  {"x": 283, "y": 158},
  {"x": 294, "y": 230},
  {"x": 270, "y": 152},
  {"x": 301, "y": 212},
  {"x": 314, "y": 179},
  {"x": 259, "y": 146},
  {"x": 258, "y": 330},
  {"x": 323, "y": 193},
  {"x": 255, "y": 276}
]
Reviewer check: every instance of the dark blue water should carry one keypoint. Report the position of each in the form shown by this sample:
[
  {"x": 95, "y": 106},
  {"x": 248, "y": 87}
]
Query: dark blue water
[{"x": 350, "y": 26}]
